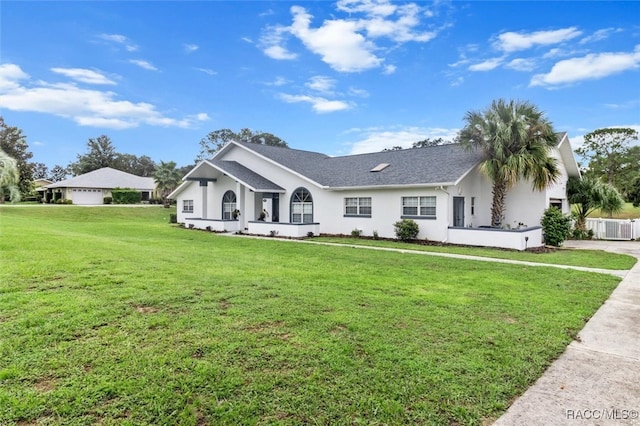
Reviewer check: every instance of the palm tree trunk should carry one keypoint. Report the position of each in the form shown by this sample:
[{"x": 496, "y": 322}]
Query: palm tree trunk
[{"x": 498, "y": 207}]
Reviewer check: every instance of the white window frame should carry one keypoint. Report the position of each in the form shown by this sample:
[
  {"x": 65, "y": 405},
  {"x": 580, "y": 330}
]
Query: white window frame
[
  {"x": 187, "y": 206},
  {"x": 419, "y": 206},
  {"x": 357, "y": 206},
  {"x": 301, "y": 206},
  {"x": 228, "y": 206}
]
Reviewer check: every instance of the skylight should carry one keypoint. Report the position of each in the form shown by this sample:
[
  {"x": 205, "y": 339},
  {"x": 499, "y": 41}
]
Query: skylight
[{"x": 380, "y": 167}]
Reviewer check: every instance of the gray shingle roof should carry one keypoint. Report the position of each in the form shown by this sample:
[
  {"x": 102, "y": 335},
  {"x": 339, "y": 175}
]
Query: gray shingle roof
[
  {"x": 418, "y": 166},
  {"x": 246, "y": 175},
  {"x": 107, "y": 178}
]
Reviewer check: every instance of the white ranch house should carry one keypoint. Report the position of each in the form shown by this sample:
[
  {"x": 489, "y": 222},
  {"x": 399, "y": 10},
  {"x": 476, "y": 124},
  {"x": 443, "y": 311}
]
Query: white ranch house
[
  {"x": 302, "y": 192},
  {"x": 91, "y": 188}
]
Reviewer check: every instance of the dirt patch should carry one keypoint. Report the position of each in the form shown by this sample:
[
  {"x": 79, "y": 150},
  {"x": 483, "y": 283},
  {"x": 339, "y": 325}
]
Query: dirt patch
[
  {"x": 224, "y": 304},
  {"x": 265, "y": 326},
  {"x": 338, "y": 329},
  {"x": 45, "y": 384},
  {"x": 146, "y": 309}
]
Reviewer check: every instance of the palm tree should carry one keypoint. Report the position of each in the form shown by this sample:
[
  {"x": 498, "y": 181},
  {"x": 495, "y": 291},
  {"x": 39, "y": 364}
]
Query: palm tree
[
  {"x": 516, "y": 140},
  {"x": 167, "y": 178},
  {"x": 589, "y": 194}
]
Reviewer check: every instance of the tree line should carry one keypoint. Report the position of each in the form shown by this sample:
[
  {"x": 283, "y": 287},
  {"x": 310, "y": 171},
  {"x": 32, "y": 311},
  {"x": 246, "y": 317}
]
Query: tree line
[{"x": 18, "y": 172}]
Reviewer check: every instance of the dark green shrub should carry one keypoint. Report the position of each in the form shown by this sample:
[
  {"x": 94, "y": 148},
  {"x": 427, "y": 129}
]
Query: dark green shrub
[
  {"x": 107, "y": 200},
  {"x": 555, "y": 226},
  {"x": 126, "y": 196},
  {"x": 173, "y": 218},
  {"x": 356, "y": 233},
  {"x": 66, "y": 201},
  {"x": 406, "y": 229}
]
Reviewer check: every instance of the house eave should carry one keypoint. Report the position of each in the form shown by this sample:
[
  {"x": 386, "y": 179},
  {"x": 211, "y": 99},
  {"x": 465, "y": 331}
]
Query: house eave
[{"x": 403, "y": 186}]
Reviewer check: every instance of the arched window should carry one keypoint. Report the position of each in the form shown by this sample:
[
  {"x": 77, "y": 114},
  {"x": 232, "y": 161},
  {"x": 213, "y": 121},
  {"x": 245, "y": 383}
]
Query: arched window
[
  {"x": 301, "y": 206},
  {"x": 228, "y": 205}
]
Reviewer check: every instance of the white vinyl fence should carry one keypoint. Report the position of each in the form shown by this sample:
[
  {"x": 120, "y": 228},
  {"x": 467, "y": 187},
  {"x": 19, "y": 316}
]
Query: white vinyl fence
[{"x": 614, "y": 229}]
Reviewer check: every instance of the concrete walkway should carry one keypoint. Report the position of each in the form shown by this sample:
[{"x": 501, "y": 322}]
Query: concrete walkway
[{"x": 596, "y": 381}]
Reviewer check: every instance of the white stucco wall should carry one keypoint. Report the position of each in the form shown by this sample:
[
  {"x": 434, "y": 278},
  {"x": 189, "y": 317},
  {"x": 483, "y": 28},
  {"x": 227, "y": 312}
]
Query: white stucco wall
[{"x": 190, "y": 192}]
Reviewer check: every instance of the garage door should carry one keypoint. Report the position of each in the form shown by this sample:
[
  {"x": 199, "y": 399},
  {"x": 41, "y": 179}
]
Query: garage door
[{"x": 86, "y": 196}]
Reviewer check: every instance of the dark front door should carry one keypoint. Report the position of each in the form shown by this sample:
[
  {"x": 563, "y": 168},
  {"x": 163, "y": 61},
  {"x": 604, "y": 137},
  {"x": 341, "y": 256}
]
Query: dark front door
[
  {"x": 275, "y": 214},
  {"x": 458, "y": 211}
]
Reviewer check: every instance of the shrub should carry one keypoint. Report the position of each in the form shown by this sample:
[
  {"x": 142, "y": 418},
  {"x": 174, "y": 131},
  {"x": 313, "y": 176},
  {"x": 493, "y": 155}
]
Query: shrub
[
  {"x": 406, "y": 229},
  {"x": 107, "y": 200},
  {"x": 375, "y": 235},
  {"x": 173, "y": 218},
  {"x": 126, "y": 196},
  {"x": 309, "y": 234},
  {"x": 66, "y": 201},
  {"x": 555, "y": 226},
  {"x": 356, "y": 232}
]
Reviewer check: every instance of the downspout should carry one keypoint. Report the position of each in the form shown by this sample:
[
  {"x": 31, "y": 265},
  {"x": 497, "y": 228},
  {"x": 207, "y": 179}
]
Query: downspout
[{"x": 441, "y": 188}]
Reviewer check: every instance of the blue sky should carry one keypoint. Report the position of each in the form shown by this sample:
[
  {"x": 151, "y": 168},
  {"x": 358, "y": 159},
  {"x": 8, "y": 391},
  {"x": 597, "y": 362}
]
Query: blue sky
[{"x": 341, "y": 77}]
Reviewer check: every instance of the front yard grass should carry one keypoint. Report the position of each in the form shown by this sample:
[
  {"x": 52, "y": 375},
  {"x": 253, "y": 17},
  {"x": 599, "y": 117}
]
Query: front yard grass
[
  {"x": 113, "y": 316},
  {"x": 587, "y": 258}
]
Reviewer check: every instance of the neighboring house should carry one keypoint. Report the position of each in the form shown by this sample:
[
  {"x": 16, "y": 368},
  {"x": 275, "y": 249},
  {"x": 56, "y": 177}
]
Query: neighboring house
[
  {"x": 91, "y": 188},
  {"x": 302, "y": 192},
  {"x": 39, "y": 186}
]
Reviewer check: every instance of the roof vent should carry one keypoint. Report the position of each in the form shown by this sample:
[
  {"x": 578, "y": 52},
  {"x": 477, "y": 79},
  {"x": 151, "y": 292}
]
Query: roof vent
[{"x": 380, "y": 167}]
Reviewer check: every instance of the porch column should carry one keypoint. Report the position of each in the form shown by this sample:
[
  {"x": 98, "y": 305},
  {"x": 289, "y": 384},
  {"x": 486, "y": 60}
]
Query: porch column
[
  {"x": 240, "y": 205},
  {"x": 204, "y": 186}
]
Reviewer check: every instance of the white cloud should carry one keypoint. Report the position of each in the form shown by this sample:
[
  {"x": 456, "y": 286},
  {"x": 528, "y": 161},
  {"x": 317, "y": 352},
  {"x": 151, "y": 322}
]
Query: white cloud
[
  {"x": 319, "y": 104},
  {"x": 389, "y": 69},
  {"x": 87, "y": 107},
  {"x": 600, "y": 35},
  {"x": 487, "y": 65},
  {"x": 590, "y": 67},
  {"x": 521, "y": 64},
  {"x": 376, "y": 139},
  {"x": 279, "y": 81},
  {"x": 279, "y": 52},
  {"x": 347, "y": 45},
  {"x": 84, "y": 75},
  {"x": 321, "y": 83},
  {"x": 358, "y": 92},
  {"x": 272, "y": 42},
  {"x": 336, "y": 41},
  {"x": 370, "y": 7},
  {"x": 208, "y": 71},
  {"x": 121, "y": 40},
  {"x": 143, "y": 64},
  {"x": 190, "y": 48},
  {"x": 247, "y": 40},
  {"x": 513, "y": 41}
]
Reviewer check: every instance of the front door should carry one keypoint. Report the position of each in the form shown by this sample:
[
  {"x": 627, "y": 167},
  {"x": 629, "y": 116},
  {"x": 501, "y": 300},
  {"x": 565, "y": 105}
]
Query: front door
[{"x": 458, "y": 211}]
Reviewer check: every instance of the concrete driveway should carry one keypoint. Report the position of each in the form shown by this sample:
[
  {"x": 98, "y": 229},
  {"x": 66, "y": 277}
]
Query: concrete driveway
[{"x": 596, "y": 381}]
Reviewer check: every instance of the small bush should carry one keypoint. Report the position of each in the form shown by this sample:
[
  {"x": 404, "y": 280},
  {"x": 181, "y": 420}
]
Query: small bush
[
  {"x": 273, "y": 233},
  {"x": 555, "y": 226},
  {"x": 107, "y": 200},
  {"x": 309, "y": 234},
  {"x": 375, "y": 235},
  {"x": 356, "y": 232},
  {"x": 66, "y": 201},
  {"x": 173, "y": 218},
  {"x": 406, "y": 229}
]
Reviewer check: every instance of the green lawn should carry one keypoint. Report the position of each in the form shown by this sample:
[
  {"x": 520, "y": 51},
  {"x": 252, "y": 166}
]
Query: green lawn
[
  {"x": 113, "y": 316},
  {"x": 628, "y": 212},
  {"x": 587, "y": 258}
]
